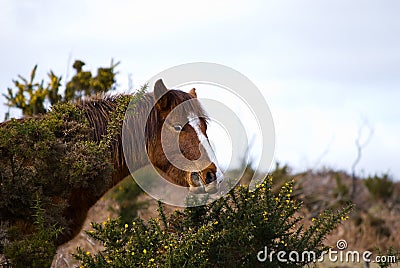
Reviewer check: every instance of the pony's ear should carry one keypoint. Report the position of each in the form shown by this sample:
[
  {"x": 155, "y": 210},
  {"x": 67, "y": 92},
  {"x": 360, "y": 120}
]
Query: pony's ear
[
  {"x": 160, "y": 95},
  {"x": 159, "y": 89},
  {"x": 192, "y": 92}
]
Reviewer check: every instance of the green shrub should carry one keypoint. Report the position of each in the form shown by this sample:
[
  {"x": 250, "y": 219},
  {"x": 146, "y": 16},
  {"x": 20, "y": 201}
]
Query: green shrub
[
  {"x": 226, "y": 233},
  {"x": 380, "y": 187},
  {"x": 50, "y": 156},
  {"x": 31, "y": 96},
  {"x": 36, "y": 249},
  {"x": 281, "y": 175}
]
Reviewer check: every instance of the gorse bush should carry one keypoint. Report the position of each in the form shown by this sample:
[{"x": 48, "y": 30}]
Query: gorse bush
[
  {"x": 53, "y": 156},
  {"x": 281, "y": 175},
  {"x": 380, "y": 187},
  {"x": 48, "y": 156},
  {"x": 32, "y": 96},
  {"x": 36, "y": 249},
  {"x": 85, "y": 84},
  {"x": 226, "y": 233}
]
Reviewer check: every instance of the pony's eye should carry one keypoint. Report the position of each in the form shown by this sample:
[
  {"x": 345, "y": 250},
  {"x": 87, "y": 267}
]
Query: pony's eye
[{"x": 177, "y": 127}]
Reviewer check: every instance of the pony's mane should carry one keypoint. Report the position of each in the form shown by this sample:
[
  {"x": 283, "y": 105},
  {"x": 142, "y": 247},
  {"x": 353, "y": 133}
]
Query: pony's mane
[{"x": 97, "y": 111}]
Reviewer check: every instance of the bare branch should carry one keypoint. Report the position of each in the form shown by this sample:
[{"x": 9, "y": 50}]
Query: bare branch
[{"x": 360, "y": 145}]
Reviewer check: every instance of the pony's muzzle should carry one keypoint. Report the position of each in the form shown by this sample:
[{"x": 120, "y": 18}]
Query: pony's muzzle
[{"x": 205, "y": 180}]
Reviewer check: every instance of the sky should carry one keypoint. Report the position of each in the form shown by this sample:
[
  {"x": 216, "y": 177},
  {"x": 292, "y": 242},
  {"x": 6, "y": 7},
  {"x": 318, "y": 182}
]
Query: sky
[{"x": 325, "y": 68}]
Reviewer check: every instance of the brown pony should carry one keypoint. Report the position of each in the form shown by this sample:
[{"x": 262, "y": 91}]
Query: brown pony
[{"x": 188, "y": 123}]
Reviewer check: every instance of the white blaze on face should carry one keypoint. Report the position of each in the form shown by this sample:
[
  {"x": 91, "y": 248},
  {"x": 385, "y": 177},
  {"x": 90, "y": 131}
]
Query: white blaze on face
[{"x": 194, "y": 122}]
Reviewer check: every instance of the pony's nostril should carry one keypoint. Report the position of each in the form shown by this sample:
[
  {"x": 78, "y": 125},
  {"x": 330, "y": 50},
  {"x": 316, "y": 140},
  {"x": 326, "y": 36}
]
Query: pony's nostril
[
  {"x": 195, "y": 177},
  {"x": 210, "y": 177}
]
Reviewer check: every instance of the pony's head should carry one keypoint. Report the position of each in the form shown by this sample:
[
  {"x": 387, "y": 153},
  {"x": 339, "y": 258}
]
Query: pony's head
[{"x": 180, "y": 149}]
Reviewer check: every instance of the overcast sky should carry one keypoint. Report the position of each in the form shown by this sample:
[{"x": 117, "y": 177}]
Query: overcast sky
[{"x": 324, "y": 67}]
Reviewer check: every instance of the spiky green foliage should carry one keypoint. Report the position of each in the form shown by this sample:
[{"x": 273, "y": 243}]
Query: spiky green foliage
[
  {"x": 36, "y": 249},
  {"x": 85, "y": 84},
  {"x": 380, "y": 187},
  {"x": 226, "y": 233},
  {"x": 50, "y": 156},
  {"x": 33, "y": 96}
]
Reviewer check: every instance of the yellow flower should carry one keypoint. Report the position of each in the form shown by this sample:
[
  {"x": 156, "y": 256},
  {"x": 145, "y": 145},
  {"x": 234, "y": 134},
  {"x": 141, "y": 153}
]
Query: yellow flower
[
  {"x": 126, "y": 225},
  {"x": 216, "y": 222},
  {"x": 144, "y": 251}
]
